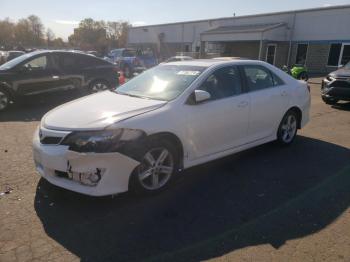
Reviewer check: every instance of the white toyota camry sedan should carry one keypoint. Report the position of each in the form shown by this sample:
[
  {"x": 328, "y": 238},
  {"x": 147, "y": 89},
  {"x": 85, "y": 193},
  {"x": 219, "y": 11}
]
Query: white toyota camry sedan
[{"x": 169, "y": 118}]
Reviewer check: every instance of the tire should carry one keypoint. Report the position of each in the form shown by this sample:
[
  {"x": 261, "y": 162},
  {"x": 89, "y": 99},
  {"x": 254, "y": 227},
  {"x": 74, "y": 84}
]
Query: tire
[
  {"x": 288, "y": 128},
  {"x": 303, "y": 76},
  {"x": 98, "y": 86},
  {"x": 330, "y": 101},
  {"x": 5, "y": 99},
  {"x": 146, "y": 178}
]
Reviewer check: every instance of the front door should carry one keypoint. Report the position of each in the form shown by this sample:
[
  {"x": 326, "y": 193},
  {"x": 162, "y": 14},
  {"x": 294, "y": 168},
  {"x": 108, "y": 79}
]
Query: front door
[
  {"x": 220, "y": 123},
  {"x": 271, "y": 54},
  {"x": 36, "y": 76}
]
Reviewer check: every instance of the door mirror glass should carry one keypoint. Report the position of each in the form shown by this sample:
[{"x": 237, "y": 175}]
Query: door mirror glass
[{"x": 201, "y": 96}]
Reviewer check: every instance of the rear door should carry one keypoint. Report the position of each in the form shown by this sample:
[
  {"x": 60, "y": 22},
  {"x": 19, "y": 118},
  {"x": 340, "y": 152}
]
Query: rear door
[
  {"x": 72, "y": 69},
  {"x": 269, "y": 98}
]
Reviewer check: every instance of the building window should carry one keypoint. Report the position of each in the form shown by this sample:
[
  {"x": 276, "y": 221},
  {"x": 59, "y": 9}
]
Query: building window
[
  {"x": 334, "y": 53},
  {"x": 301, "y": 54},
  {"x": 339, "y": 54},
  {"x": 271, "y": 53}
]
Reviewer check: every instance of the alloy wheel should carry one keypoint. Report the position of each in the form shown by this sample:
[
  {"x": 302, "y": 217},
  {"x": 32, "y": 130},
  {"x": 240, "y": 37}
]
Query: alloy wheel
[
  {"x": 4, "y": 100},
  {"x": 98, "y": 87},
  {"x": 289, "y": 128},
  {"x": 156, "y": 168}
]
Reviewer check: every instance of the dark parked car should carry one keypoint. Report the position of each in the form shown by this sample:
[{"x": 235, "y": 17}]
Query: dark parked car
[
  {"x": 48, "y": 71},
  {"x": 13, "y": 54},
  {"x": 336, "y": 86}
]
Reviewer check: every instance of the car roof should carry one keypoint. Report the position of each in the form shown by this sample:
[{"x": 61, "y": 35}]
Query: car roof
[
  {"x": 181, "y": 56},
  {"x": 210, "y": 62},
  {"x": 38, "y": 52}
]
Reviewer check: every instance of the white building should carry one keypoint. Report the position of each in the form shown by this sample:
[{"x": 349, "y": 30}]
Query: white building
[{"x": 319, "y": 37}]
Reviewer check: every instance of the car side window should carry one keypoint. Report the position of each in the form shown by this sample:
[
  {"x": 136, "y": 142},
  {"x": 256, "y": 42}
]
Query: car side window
[
  {"x": 224, "y": 82},
  {"x": 69, "y": 61},
  {"x": 258, "y": 77},
  {"x": 276, "y": 80},
  {"x": 38, "y": 63}
]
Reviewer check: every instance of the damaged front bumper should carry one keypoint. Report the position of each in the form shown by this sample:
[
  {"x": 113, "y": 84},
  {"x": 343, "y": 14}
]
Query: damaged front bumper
[{"x": 94, "y": 174}]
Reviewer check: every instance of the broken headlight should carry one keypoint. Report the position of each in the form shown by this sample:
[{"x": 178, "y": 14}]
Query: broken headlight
[{"x": 103, "y": 141}]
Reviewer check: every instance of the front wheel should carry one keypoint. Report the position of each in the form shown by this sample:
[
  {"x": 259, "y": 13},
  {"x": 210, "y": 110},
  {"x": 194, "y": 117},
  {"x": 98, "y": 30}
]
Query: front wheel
[
  {"x": 158, "y": 166},
  {"x": 4, "y": 99},
  {"x": 288, "y": 128}
]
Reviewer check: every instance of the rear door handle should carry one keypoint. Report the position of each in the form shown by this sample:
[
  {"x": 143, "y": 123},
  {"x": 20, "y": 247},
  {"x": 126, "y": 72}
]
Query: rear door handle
[{"x": 243, "y": 104}]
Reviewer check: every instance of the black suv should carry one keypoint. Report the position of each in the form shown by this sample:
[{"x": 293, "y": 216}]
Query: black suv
[
  {"x": 47, "y": 71},
  {"x": 336, "y": 86}
]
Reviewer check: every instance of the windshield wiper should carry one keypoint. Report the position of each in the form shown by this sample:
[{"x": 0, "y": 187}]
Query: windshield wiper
[{"x": 126, "y": 94}]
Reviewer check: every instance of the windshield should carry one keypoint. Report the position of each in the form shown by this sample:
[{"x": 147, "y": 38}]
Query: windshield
[
  {"x": 162, "y": 82},
  {"x": 14, "y": 62}
]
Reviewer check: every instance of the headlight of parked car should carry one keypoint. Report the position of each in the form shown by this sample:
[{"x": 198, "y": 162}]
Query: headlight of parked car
[
  {"x": 104, "y": 141},
  {"x": 330, "y": 78}
]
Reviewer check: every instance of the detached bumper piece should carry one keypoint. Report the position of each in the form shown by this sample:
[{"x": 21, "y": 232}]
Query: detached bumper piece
[{"x": 336, "y": 88}]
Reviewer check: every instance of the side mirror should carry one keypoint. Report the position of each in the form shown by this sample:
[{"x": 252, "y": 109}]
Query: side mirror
[
  {"x": 201, "y": 96},
  {"x": 340, "y": 66}
]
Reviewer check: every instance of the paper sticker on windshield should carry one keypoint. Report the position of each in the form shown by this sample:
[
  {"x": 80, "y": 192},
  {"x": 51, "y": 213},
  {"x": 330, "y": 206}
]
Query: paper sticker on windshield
[{"x": 189, "y": 73}]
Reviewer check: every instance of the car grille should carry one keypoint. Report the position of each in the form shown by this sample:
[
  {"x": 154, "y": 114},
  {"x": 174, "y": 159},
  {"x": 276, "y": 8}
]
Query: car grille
[
  {"x": 343, "y": 83},
  {"x": 50, "y": 140}
]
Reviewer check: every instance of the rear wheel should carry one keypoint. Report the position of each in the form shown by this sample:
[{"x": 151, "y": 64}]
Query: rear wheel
[
  {"x": 303, "y": 76},
  {"x": 98, "y": 86},
  {"x": 159, "y": 163},
  {"x": 288, "y": 128},
  {"x": 4, "y": 99},
  {"x": 330, "y": 101}
]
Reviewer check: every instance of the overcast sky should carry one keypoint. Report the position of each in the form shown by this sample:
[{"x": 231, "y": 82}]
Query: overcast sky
[{"x": 63, "y": 15}]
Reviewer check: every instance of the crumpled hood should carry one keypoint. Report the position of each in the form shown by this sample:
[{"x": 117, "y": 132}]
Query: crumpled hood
[
  {"x": 342, "y": 72},
  {"x": 97, "y": 111}
]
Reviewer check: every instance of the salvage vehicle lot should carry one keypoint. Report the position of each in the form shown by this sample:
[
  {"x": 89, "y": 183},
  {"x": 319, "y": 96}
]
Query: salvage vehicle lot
[{"x": 268, "y": 203}]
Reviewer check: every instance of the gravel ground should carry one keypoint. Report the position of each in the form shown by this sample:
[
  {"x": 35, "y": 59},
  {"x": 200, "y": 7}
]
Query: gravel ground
[{"x": 265, "y": 204}]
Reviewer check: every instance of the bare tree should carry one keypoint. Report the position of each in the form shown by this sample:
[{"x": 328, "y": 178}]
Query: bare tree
[{"x": 50, "y": 36}]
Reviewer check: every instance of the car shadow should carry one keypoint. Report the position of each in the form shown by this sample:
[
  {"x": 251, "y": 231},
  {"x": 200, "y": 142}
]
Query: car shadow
[
  {"x": 33, "y": 108},
  {"x": 239, "y": 192},
  {"x": 342, "y": 106}
]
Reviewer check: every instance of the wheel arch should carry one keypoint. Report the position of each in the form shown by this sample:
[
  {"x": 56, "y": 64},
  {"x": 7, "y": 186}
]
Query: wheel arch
[
  {"x": 175, "y": 140},
  {"x": 299, "y": 113}
]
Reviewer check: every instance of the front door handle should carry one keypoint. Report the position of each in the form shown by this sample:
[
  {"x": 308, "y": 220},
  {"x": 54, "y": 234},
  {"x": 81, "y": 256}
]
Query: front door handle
[{"x": 243, "y": 104}]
